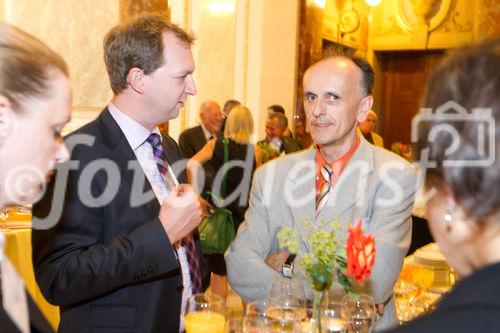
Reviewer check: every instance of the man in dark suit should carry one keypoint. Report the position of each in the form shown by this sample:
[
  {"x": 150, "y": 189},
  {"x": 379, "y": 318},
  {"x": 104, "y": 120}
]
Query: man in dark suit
[
  {"x": 276, "y": 125},
  {"x": 193, "y": 139},
  {"x": 122, "y": 256}
]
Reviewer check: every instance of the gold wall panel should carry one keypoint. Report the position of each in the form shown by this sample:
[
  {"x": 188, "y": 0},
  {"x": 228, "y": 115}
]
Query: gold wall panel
[
  {"x": 133, "y": 8},
  {"x": 346, "y": 22},
  {"x": 488, "y": 16}
]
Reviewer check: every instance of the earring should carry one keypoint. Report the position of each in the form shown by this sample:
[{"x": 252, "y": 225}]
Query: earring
[{"x": 448, "y": 216}]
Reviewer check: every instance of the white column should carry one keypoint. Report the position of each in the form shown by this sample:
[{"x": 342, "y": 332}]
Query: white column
[
  {"x": 272, "y": 57},
  {"x": 244, "y": 49}
]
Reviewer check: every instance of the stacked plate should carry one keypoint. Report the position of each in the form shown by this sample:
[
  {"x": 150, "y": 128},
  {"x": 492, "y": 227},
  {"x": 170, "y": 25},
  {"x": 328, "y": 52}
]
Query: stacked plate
[{"x": 432, "y": 258}]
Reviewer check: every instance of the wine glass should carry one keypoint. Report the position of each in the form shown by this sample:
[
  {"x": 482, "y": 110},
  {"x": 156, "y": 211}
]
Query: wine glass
[
  {"x": 405, "y": 293},
  {"x": 205, "y": 314},
  {"x": 256, "y": 309},
  {"x": 360, "y": 312},
  {"x": 332, "y": 315},
  {"x": 4, "y": 215},
  {"x": 248, "y": 325}
]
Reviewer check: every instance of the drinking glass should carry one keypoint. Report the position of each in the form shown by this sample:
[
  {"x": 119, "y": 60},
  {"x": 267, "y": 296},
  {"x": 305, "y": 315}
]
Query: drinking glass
[
  {"x": 332, "y": 316},
  {"x": 288, "y": 290},
  {"x": 257, "y": 309},
  {"x": 205, "y": 314},
  {"x": 4, "y": 215},
  {"x": 248, "y": 325},
  {"x": 360, "y": 312},
  {"x": 405, "y": 293}
]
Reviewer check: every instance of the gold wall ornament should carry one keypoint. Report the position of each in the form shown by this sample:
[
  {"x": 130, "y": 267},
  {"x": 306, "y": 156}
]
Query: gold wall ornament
[
  {"x": 390, "y": 27},
  {"x": 488, "y": 16},
  {"x": 413, "y": 14},
  {"x": 424, "y": 9},
  {"x": 458, "y": 23},
  {"x": 133, "y": 8},
  {"x": 349, "y": 21}
]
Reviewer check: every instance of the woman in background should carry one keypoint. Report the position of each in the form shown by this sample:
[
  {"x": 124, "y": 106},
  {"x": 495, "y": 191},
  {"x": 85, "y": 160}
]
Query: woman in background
[
  {"x": 35, "y": 103},
  {"x": 238, "y": 129},
  {"x": 464, "y": 214}
]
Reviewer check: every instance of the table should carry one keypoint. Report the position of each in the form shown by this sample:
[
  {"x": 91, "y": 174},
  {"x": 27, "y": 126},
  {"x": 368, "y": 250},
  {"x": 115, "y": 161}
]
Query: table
[
  {"x": 18, "y": 249},
  {"x": 411, "y": 303}
]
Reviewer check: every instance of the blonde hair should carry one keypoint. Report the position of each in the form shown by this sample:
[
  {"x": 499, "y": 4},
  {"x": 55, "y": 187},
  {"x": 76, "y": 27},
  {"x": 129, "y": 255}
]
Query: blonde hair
[
  {"x": 239, "y": 125},
  {"x": 26, "y": 66}
]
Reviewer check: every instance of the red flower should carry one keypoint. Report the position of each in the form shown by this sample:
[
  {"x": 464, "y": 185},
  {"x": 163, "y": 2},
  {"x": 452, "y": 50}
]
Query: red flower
[{"x": 360, "y": 253}]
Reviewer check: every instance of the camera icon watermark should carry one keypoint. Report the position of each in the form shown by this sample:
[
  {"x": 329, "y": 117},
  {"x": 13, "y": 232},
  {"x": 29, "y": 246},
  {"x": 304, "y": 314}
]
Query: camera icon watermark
[{"x": 446, "y": 119}]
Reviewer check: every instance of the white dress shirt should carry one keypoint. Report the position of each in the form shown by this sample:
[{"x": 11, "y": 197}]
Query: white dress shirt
[{"x": 136, "y": 136}]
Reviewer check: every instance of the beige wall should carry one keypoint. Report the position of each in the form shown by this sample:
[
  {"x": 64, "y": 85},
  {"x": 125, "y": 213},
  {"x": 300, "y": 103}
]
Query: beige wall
[
  {"x": 272, "y": 63},
  {"x": 248, "y": 53},
  {"x": 75, "y": 29},
  {"x": 214, "y": 52}
]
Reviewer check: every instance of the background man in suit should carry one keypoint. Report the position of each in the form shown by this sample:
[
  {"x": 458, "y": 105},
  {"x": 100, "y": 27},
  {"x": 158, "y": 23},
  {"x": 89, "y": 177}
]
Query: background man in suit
[
  {"x": 125, "y": 262},
  {"x": 193, "y": 139},
  {"x": 365, "y": 182},
  {"x": 276, "y": 108},
  {"x": 276, "y": 125},
  {"x": 367, "y": 128}
]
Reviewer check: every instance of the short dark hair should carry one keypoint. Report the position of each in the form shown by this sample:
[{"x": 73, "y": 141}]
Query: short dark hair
[
  {"x": 230, "y": 103},
  {"x": 277, "y": 108},
  {"x": 138, "y": 43},
  {"x": 366, "y": 69},
  {"x": 470, "y": 77},
  {"x": 282, "y": 119}
]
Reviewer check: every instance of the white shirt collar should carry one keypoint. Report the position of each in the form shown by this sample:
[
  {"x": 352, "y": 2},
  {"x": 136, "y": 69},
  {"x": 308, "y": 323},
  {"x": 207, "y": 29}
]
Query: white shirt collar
[
  {"x": 134, "y": 132},
  {"x": 206, "y": 132}
]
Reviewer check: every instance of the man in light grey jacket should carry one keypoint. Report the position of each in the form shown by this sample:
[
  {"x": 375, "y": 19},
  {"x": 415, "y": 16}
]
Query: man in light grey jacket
[{"x": 363, "y": 181}]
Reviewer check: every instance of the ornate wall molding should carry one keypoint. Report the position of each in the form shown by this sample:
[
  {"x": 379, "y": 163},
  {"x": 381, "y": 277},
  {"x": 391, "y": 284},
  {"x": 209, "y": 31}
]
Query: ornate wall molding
[
  {"x": 392, "y": 27},
  {"x": 458, "y": 23},
  {"x": 411, "y": 14}
]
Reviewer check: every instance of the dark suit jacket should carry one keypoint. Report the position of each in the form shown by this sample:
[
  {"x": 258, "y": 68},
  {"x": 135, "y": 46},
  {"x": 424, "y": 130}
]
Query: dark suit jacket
[
  {"x": 472, "y": 306},
  {"x": 191, "y": 141},
  {"x": 108, "y": 265},
  {"x": 288, "y": 145}
]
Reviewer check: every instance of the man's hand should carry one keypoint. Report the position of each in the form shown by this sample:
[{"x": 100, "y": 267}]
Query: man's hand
[
  {"x": 206, "y": 207},
  {"x": 276, "y": 260},
  {"x": 180, "y": 213},
  {"x": 380, "y": 309}
]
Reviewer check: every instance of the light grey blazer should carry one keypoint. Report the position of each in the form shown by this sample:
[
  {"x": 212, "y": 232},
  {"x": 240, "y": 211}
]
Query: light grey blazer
[{"x": 376, "y": 185}]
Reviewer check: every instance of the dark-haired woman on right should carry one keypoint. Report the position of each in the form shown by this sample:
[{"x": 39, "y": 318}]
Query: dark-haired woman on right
[{"x": 464, "y": 214}]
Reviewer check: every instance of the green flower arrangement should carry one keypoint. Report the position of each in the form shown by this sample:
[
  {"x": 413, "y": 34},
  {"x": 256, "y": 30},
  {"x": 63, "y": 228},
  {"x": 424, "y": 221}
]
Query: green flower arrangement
[
  {"x": 268, "y": 152},
  {"x": 327, "y": 253}
]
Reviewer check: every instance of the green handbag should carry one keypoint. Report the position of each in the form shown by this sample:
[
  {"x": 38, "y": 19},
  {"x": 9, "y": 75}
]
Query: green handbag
[{"x": 216, "y": 231}]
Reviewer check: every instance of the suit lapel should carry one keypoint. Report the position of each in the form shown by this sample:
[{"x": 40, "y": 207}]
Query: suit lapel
[
  {"x": 122, "y": 154},
  {"x": 172, "y": 154},
  {"x": 352, "y": 184},
  {"x": 301, "y": 186},
  {"x": 200, "y": 139}
]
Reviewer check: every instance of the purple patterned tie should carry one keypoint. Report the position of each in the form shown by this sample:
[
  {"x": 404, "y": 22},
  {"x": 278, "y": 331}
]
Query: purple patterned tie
[{"x": 154, "y": 140}]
